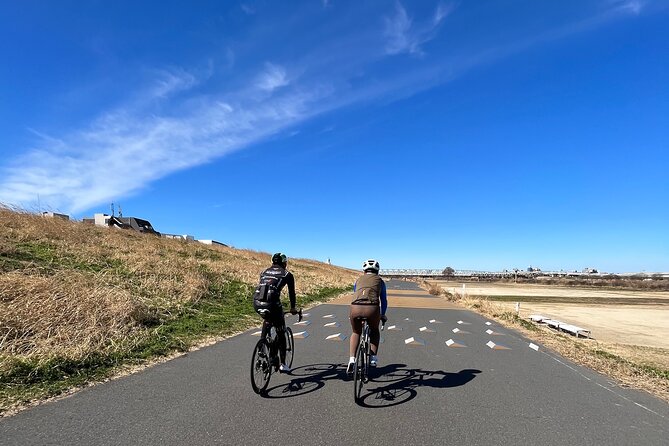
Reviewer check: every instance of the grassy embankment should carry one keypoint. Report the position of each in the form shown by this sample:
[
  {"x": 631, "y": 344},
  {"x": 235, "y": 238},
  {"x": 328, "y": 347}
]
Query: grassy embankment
[
  {"x": 644, "y": 368},
  {"x": 80, "y": 303}
]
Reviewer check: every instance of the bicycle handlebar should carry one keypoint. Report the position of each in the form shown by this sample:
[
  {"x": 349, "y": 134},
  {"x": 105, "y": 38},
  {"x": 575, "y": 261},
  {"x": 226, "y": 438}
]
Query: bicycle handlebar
[{"x": 299, "y": 314}]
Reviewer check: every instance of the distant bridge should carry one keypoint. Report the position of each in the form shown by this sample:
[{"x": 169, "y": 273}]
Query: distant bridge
[
  {"x": 464, "y": 273},
  {"x": 405, "y": 272}
]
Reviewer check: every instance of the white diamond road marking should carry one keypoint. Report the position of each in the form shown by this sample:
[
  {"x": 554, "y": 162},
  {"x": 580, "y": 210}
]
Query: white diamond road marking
[
  {"x": 257, "y": 333},
  {"x": 460, "y": 322},
  {"x": 452, "y": 343},
  {"x": 328, "y": 316},
  {"x": 332, "y": 324},
  {"x": 414, "y": 341},
  {"x": 425, "y": 329},
  {"x": 489, "y": 331},
  {"x": 434, "y": 321},
  {"x": 300, "y": 335},
  {"x": 488, "y": 323},
  {"x": 336, "y": 337},
  {"x": 534, "y": 347},
  {"x": 407, "y": 319},
  {"x": 455, "y": 330},
  {"x": 304, "y": 323},
  {"x": 491, "y": 344},
  {"x": 394, "y": 328}
]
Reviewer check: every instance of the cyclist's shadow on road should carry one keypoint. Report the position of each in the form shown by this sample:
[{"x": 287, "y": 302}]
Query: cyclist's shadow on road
[
  {"x": 390, "y": 385},
  {"x": 397, "y": 384},
  {"x": 307, "y": 379}
]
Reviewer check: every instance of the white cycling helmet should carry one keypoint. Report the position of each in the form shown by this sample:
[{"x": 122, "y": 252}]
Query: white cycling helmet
[{"x": 371, "y": 265}]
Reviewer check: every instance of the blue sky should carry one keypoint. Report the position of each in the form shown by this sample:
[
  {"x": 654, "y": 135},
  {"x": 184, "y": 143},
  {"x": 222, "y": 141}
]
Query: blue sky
[{"x": 473, "y": 134}]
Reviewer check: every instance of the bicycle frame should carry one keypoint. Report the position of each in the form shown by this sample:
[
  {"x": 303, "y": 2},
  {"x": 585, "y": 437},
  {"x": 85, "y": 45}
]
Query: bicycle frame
[
  {"x": 366, "y": 347},
  {"x": 266, "y": 355},
  {"x": 362, "y": 357},
  {"x": 362, "y": 360}
]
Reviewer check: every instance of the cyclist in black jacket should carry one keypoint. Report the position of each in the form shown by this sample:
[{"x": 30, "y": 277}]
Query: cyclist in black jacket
[{"x": 267, "y": 301}]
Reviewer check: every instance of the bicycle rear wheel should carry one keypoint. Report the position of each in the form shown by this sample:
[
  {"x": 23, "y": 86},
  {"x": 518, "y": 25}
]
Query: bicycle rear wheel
[
  {"x": 290, "y": 347},
  {"x": 359, "y": 372},
  {"x": 261, "y": 367}
]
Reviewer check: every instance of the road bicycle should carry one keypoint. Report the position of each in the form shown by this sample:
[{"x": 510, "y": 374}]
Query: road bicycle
[
  {"x": 362, "y": 358},
  {"x": 265, "y": 358}
]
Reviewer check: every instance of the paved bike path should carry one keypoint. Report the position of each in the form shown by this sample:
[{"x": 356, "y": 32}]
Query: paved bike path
[{"x": 422, "y": 394}]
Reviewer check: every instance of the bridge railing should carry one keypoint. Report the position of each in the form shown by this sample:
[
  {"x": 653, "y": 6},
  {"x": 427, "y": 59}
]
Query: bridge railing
[{"x": 417, "y": 272}]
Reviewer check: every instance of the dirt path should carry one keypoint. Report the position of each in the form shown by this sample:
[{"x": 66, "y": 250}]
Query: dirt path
[
  {"x": 513, "y": 289},
  {"x": 616, "y": 316},
  {"x": 638, "y": 325}
]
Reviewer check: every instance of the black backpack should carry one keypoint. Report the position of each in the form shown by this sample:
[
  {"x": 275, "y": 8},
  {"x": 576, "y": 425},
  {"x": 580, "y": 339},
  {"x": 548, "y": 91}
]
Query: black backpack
[{"x": 267, "y": 292}]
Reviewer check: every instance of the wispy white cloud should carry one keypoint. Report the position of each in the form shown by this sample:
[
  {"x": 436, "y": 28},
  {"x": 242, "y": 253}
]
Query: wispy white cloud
[
  {"x": 125, "y": 149},
  {"x": 405, "y": 36},
  {"x": 632, "y": 6},
  {"x": 272, "y": 78},
  {"x": 443, "y": 11},
  {"x": 170, "y": 82},
  {"x": 398, "y": 28},
  {"x": 247, "y": 9}
]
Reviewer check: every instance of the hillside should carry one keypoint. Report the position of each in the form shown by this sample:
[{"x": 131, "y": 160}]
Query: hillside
[{"x": 77, "y": 301}]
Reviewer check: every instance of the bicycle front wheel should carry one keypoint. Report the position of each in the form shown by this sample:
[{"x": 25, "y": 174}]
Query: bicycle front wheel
[
  {"x": 261, "y": 367},
  {"x": 359, "y": 373},
  {"x": 290, "y": 347}
]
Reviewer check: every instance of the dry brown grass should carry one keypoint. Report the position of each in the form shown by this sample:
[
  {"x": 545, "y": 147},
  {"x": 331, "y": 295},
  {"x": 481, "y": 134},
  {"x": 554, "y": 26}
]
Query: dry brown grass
[
  {"x": 69, "y": 289},
  {"x": 436, "y": 289},
  {"x": 65, "y": 313}
]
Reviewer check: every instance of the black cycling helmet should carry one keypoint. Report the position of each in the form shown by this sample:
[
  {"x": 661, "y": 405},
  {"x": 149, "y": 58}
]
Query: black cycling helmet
[{"x": 279, "y": 259}]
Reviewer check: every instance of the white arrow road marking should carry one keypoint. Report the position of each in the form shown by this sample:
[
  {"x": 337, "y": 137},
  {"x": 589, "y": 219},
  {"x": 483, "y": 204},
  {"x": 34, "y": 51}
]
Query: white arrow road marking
[
  {"x": 494, "y": 346},
  {"x": 414, "y": 341},
  {"x": 336, "y": 337}
]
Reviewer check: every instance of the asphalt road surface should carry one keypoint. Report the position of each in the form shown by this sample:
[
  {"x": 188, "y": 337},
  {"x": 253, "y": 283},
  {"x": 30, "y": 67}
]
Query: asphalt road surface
[{"x": 486, "y": 386}]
